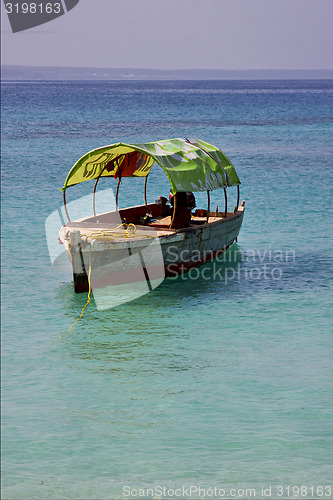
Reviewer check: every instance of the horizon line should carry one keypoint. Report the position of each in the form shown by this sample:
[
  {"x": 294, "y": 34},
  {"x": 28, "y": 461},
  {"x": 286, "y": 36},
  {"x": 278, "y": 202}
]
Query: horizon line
[
  {"x": 23, "y": 73},
  {"x": 161, "y": 69}
]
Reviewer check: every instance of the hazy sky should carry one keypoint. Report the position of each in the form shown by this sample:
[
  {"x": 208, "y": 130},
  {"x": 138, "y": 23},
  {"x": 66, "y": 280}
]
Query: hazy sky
[{"x": 180, "y": 34}]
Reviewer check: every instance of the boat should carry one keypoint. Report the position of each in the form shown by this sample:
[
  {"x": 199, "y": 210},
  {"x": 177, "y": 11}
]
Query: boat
[{"x": 150, "y": 242}]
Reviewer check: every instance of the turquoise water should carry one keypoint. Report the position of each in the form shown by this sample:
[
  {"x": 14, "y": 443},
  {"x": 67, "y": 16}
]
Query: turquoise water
[{"x": 223, "y": 382}]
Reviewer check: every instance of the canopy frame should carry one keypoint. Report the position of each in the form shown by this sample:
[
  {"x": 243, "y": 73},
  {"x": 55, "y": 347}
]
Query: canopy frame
[
  {"x": 94, "y": 190},
  {"x": 176, "y": 157}
]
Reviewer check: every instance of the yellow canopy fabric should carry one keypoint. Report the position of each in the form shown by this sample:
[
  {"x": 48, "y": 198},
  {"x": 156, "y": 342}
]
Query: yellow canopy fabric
[{"x": 191, "y": 165}]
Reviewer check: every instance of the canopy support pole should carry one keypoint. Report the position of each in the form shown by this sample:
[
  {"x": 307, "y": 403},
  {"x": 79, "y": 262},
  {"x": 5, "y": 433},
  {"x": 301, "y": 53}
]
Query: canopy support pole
[
  {"x": 225, "y": 202},
  {"x": 237, "y": 196},
  {"x": 145, "y": 192},
  {"x": 94, "y": 191},
  {"x": 208, "y": 203},
  {"x": 65, "y": 206},
  {"x": 118, "y": 184},
  {"x": 95, "y": 186},
  {"x": 93, "y": 198},
  {"x": 174, "y": 210}
]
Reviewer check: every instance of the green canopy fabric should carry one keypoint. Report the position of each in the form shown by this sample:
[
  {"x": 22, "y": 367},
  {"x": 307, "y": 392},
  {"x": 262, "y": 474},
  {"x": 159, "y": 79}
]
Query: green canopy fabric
[{"x": 190, "y": 164}]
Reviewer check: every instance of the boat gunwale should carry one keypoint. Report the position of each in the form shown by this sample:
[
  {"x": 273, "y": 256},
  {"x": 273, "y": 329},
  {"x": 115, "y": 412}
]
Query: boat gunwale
[{"x": 169, "y": 234}]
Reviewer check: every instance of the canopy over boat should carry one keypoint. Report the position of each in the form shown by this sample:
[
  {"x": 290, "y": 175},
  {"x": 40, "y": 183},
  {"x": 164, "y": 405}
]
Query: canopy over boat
[{"x": 190, "y": 164}]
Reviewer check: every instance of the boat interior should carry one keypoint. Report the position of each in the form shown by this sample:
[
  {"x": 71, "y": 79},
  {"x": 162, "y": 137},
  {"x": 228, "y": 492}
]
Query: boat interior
[{"x": 160, "y": 216}]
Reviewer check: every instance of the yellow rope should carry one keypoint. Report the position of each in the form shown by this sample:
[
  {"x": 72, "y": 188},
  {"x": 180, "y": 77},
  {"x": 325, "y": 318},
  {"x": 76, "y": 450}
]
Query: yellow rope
[
  {"x": 101, "y": 234},
  {"x": 113, "y": 233},
  {"x": 130, "y": 231}
]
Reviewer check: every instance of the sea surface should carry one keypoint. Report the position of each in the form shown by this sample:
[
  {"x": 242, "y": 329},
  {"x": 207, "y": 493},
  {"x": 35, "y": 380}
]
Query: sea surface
[{"x": 215, "y": 382}]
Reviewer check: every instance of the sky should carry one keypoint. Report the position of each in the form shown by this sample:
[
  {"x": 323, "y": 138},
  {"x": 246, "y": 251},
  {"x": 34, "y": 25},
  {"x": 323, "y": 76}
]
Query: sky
[{"x": 179, "y": 34}]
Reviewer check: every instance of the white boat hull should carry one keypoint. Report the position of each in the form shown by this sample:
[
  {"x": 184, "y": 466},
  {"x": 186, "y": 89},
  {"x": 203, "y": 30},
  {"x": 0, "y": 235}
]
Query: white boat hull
[{"x": 100, "y": 252}]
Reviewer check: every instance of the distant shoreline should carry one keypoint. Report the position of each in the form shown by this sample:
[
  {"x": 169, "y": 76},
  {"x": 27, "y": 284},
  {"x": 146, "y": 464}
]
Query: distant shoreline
[{"x": 39, "y": 73}]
